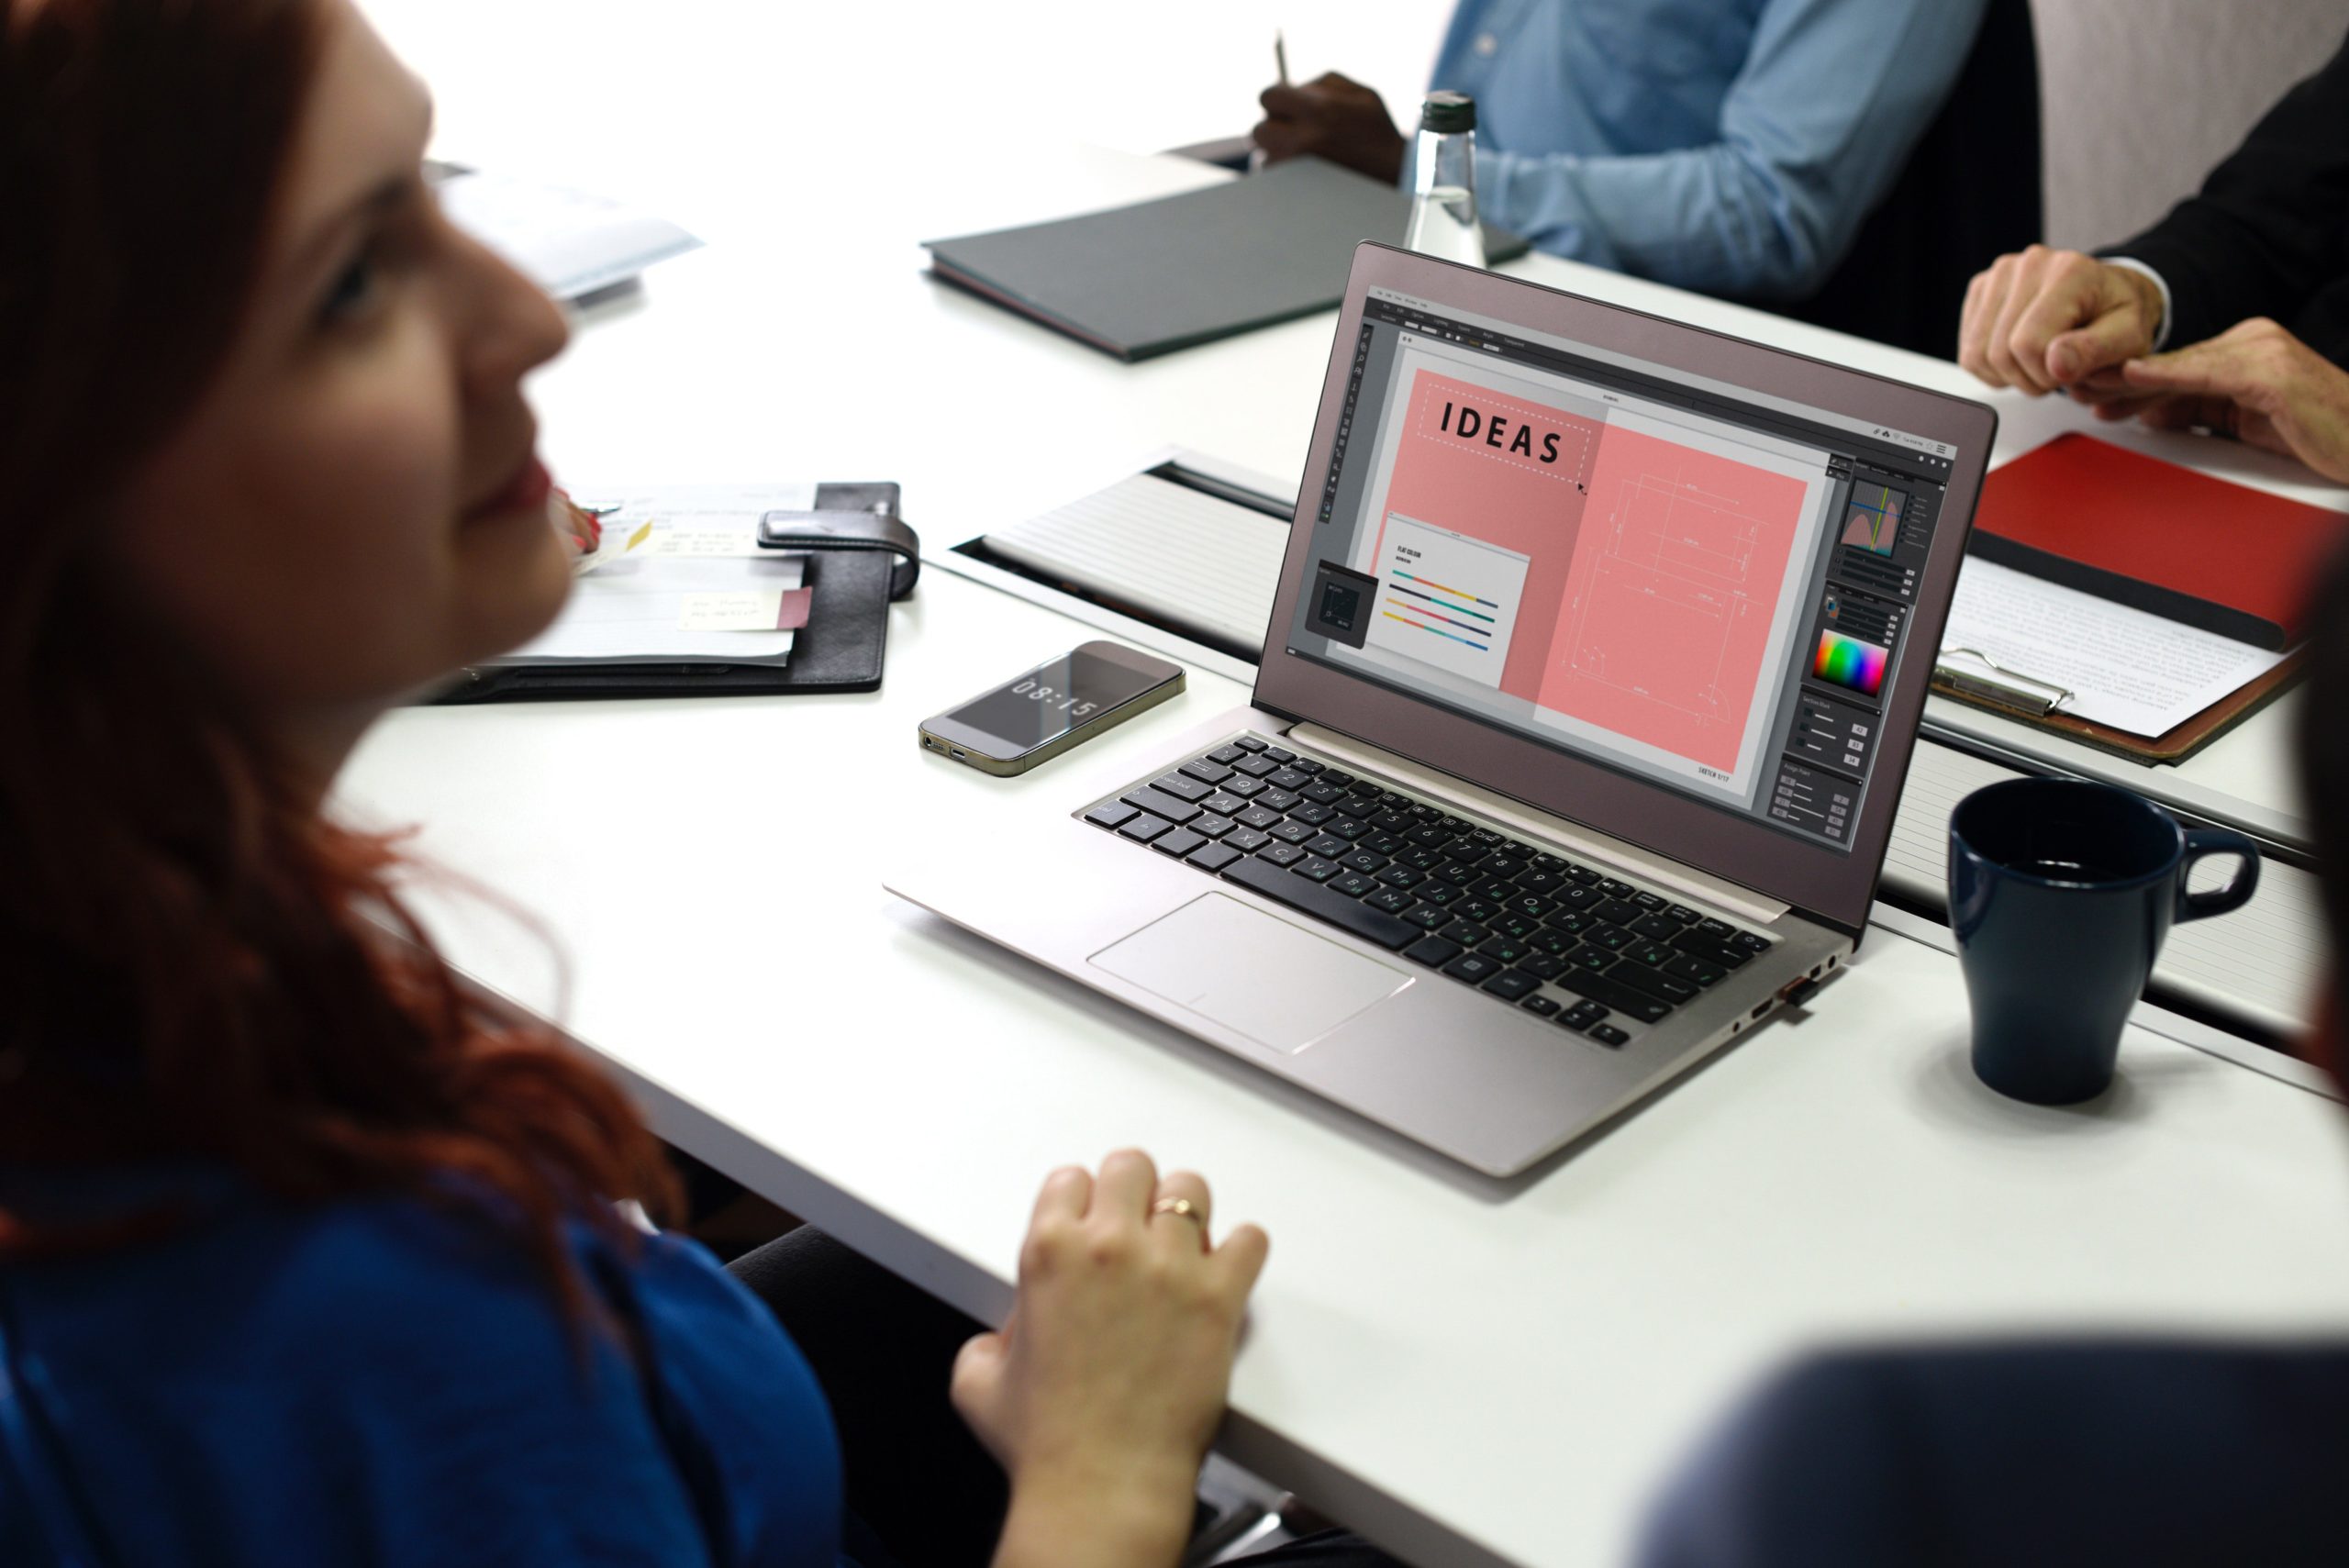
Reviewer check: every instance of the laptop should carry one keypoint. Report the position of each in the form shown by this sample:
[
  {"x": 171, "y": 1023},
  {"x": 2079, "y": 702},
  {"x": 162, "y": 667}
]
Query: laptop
[{"x": 1593, "y": 674}]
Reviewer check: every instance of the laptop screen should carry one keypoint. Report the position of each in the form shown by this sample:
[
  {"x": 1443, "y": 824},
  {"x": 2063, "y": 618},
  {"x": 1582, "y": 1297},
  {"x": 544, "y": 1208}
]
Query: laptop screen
[{"x": 1698, "y": 585}]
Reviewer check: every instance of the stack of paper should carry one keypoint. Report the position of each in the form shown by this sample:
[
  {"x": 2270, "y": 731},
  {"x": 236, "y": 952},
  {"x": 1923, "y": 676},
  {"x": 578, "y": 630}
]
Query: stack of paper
[
  {"x": 680, "y": 578},
  {"x": 566, "y": 242}
]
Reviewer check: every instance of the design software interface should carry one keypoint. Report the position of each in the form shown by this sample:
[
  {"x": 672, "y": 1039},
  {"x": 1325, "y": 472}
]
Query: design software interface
[{"x": 1672, "y": 576}]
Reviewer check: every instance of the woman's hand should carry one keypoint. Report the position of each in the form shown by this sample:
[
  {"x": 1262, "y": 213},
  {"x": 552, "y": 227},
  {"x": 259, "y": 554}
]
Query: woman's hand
[{"x": 1100, "y": 1395}]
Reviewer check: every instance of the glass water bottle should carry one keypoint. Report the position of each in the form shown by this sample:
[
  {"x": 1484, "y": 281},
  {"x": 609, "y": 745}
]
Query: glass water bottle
[{"x": 1443, "y": 211}]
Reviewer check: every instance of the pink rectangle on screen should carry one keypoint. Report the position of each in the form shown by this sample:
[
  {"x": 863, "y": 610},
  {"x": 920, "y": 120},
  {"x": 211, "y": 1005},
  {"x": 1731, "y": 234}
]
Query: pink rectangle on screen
[
  {"x": 1523, "y": 491},
  {"x": 1675, "y": 577}
]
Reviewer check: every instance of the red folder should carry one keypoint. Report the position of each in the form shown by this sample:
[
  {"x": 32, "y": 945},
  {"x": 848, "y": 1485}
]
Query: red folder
[{"x": 2150, "y": 534}]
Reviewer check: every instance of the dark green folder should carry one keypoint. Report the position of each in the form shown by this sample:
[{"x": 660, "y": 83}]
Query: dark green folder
[{"x": 1145, "y": 280}]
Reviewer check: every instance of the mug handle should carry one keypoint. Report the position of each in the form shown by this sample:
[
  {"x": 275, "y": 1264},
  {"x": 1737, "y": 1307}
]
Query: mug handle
[{"x": 2201, "y": 842}]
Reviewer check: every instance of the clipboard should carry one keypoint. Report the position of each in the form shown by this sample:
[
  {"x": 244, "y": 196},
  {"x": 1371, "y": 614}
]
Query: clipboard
[
  {"x": 1970, "y": 676},
  {"x": 860, "y": 557}
]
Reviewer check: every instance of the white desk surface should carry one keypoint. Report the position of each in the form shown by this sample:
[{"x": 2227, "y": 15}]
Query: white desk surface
[{"x": 1468, "y": 1372}]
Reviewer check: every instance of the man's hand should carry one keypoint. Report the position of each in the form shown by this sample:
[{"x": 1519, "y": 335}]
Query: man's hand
[
  {"x": 2045, "y": 321},
  {"x": 2256, "y": 382},
  {"x": 1331, "y": 118},
  {"x": 1100, "y": 1395}
]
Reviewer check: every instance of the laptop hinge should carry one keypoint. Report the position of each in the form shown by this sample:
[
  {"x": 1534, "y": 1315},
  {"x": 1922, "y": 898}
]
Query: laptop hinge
[{"x": 1697, "y": 885}]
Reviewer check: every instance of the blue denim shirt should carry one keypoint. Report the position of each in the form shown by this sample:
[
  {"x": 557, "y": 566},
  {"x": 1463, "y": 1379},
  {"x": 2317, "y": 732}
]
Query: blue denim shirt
[{"x": 1732, "y": 146}]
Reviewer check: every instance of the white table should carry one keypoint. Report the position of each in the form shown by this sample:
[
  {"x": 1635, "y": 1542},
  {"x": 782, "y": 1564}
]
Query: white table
[{"x": 1470, "y": 1372}]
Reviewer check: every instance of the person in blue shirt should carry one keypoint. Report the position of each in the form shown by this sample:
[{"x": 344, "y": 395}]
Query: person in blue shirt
[{"x": 1728, "y": 146}]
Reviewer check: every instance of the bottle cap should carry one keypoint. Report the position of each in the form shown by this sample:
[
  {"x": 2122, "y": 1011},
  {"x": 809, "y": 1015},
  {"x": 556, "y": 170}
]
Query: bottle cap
[{"x": 1448, "y": 112}]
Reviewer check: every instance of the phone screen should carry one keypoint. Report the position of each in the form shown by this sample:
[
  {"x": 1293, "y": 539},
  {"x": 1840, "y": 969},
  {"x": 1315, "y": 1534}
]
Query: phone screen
[{"x": 1052, "y": 699}]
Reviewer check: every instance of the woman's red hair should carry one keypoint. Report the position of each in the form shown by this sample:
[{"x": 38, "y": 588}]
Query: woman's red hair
[{"x": 188, "y": 965}]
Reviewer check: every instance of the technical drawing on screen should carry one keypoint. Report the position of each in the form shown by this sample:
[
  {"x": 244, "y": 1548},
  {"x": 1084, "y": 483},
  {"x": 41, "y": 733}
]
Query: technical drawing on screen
[{"x": 1689, "y": 581}]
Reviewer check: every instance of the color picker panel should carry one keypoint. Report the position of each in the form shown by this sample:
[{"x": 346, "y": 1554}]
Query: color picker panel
[{"x": 1848, "y": 662}]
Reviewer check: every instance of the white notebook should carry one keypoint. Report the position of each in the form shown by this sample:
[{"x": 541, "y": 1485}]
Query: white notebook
[{"x": 1172, "y": 552}]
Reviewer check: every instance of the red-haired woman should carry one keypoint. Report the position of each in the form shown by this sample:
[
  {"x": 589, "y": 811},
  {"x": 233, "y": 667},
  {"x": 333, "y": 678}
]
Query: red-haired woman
[{"x": 301, "y": 1261}]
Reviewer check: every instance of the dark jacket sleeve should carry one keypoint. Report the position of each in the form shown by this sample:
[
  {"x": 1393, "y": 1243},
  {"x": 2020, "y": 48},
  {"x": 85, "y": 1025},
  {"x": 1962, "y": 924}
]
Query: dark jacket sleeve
[{"x": 2270, "y": 228}]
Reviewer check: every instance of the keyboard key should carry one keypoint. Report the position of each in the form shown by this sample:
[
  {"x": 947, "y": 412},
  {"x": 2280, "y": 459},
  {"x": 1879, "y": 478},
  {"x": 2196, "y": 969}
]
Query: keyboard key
[
  {"x": 1484, "y": 837},
  {"x": 1380, "y": 843},
  {"x": 1682, "y": 913},
  {"x": 1582, "y": 1015},
  {"x": 1247, "y": 841},
  {"x": 1427, "y": 916},
  {"x": 1621, "y": 911},
  {"x": 1355, "y": 806},
  {"x": 1655, "y": 955},
  {"x": 1308, "y": 812},
  {"x": 1503, "y": 949},
  {"x": 1291, "y": 833},
  {"x": 1420, "y": 859},
  {"x": 1394, "y": 900},
  {"x": 1308, "y": 765},
  {"x": 1337, "y": 776},
  {"x": 1523, "y": 851},
  {"x": 1503, "y": 866},
  {"x": 1655, "y": 983},
  {"x": 1208, "y": 826},
  {"x": 1467, "y": 851},
  {"x": 1696, "y": 944},
  {"x": 1590, "y": 959},
  {"x": 1654, "y": 904},
  {"x": 1531, "y": 907},
  {"x": 1695, "y": 971},
  {"x": 1279, "y": 755},
  {"x": 1509, "y": 923},
  {"x": 1393, "y": 821},
  {"x": 1280, "y": 854},
  {"x": 1751, "y": 942},
  {"x": 1549, "y": 940},
  {"x": 1255, "y": 767},
  {"x": 1259, "y": 818},
  {"x": 1279, "y": 799},
  {"x": 1402, "y": 876},
  {"x": 1614, "y": 889},
  {"x": 1346, "y": 827},
  {"x": 1251, "y": 742},
  {"x": 1329, "y": 846},
  {"x": 1512, "y": 985},
  {"x": 1246, "y": 789},
  {"x": 1206, "y": 772},
  {"x": 1541, "y": 965},
  {"x": 1142, "y": 828},
  {"x": 1541, "y": 1007},
  {"x": 1321, "y": 794},
  {"x": 1584, "y": 876},
  {"x": 1372, "y": 925},
  {"x": 1433, "y": 951},
  {"x": 1581, "y": 898},
  {"x": 1159, "y": 804},
  {"x": 1178, "y": 842},
  {"x": 1608, "y": 1034},
  {"x": 1608, "y": 992},
  {"x": 1439, "y": 891},
  {"x": 1288, "y": 778},
  {"x": 1720, "y": 928},
  {"x": 1495, "y": 888},
  {"x": 1313, "y": 868},
  {"x": 1472, "y": 967},
  {"x": 1214, "y": 857},
  {"x": 1476, "y": 909},
  {"x": 1540, "y": 881},
  {"x": 1467, "y": 933},
  {"x": 1614, "y": 939},
  {"x": 1422, "y": 811},
  {"x": 1656, "y": 927},
  {"x": 1182, "y": 786},
  {"x": 1353, "y": 884},
  {"x": 1111, "y": 815},
  {"x": 1226, "y": 755},
  {"x": 1364, "y": 862},
  {"x": 1223, "y": 803},
  {"x": 1429, "y": 837}
]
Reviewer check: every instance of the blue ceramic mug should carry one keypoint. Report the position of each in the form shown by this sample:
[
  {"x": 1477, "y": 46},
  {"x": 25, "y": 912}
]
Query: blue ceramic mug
[{"x": 2061, "y": 893}]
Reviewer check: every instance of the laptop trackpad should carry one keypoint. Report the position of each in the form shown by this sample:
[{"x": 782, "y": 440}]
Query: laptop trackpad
[{"x": 1278, "y": 984}]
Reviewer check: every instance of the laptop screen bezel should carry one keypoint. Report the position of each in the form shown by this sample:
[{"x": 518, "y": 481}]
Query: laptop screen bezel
[{"x": 1831, "y": 885}]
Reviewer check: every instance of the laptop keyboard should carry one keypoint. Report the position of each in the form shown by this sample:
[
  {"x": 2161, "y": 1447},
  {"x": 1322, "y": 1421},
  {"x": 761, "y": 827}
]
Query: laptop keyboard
[{"x": 1565, "y": 942}]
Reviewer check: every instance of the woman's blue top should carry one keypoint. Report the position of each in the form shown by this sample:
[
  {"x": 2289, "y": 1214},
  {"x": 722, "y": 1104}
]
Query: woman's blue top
[{"x": 389, "y": 1383}]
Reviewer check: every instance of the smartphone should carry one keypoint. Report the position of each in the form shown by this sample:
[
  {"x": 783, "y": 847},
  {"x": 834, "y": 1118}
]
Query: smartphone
[{"x": 1064, "y": 702}]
